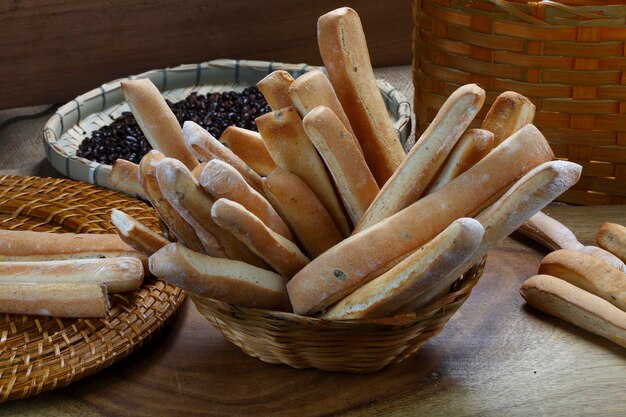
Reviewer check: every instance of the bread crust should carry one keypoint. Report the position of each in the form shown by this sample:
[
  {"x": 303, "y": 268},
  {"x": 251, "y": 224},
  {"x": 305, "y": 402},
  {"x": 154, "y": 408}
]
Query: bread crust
[
  {"x": 508, "y": 113},
  {"x": 549, "y": 232},
  {"x": 612, "y": 237},
  {"x": 275, "y": 89},
  {"x": 249, "y": 146},
  {"x": 136, "y": 234},
  {"x": 124, "y": 176},
  {"x": 605, "y": 256}
]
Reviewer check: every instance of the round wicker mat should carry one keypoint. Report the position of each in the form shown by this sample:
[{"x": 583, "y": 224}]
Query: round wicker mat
[{"x": 42, "y": 353}]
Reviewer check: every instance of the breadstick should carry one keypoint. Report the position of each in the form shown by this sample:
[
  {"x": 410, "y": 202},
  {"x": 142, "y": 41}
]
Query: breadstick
[
  {"x": 589, "y": 273},
  {"x": 408, "y": 183},
  {"x": 223, "y": 279},
  {"x": 184, "y": 193},
  {"x": 367, "y": 254},
  {"x": 509, "y": 113},
  {"x": 156, "y": 120},
  {"x": 84, "y": 299},
  {"x": 281, "y": 254},
  {"x": 355, "y": 183},
  {"x": 313, "y": 89},
  {"x": 473, "y": 145},
  {"x": 275, "y": 89},
  {"x": 549, "y": 232},
  {"x": 136, "y": 234},
  {"x": 124, "y": 176},
  {"x": 204, "y": 146},
  {"x": 568, "y": 302},
  {"x": 344, "y": 51},
  {"x": 605, "y": 256},
  {"x": 291, "y": 197},
  {"x": 612, "y": 237},
  {"x": 292, "y": 150},
  {"x": 118, "y": 274},
  {"x": 197, "y": 171},
  {"x": 182, "y": 231},
  {"x": 413, "y": 276},
  {"x": 221, "y": 180},
  {"x": 249, "y": 146}
]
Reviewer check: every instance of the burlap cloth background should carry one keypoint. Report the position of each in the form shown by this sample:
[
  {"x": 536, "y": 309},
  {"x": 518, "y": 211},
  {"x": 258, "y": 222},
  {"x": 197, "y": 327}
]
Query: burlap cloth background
[{"x": 22, "y": 152}]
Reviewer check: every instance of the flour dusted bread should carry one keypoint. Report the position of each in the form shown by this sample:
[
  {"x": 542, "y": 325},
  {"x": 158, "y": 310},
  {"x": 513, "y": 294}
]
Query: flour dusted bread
[
  {"x": 223, "y": 279},
  {"x": 156, "y": 120},
  {"x": 124, "y": 176},
  {"x": 605, "y": 256},
  {"x": 249, "y": 146},
  {"x": 612, "y": 237},
  {"x": 549, "y": 232},
  {"x": 275, "y": 89},
  {"x": 136, "y": 234},
  {"x": 344, "y": 51},
  {"x": 508, "y": 113}
]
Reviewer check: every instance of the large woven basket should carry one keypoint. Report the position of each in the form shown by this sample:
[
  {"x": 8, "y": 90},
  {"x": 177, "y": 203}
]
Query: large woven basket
[
  {"x": 358, "y": 346},
  {"x": 567, "y": 57}
]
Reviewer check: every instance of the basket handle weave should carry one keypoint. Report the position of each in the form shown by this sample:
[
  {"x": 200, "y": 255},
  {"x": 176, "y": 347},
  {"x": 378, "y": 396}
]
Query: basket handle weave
[{"x": 504, "y": 4}]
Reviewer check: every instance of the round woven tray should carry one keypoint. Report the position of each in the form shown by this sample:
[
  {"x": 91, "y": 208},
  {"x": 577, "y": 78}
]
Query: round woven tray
[
  {"x": 359, "y": 346},
  {"x": 42, "y": 353}
]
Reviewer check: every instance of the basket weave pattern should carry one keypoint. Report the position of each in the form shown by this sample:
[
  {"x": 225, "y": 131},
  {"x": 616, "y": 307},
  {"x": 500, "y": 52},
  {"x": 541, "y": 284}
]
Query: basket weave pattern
[
  {"x": 42, "y": 353},
  {"x": 569, "y": 58}
]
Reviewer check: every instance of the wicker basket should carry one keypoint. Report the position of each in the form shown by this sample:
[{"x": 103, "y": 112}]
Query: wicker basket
[
  {"x": 359, "y": 346},
  {"x": 567, "y": 57}
]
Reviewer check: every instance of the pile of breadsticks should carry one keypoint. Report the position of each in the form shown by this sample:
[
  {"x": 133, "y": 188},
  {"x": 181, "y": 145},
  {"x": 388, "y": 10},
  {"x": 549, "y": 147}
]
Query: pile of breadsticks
[{"x": 322, "y": 212}]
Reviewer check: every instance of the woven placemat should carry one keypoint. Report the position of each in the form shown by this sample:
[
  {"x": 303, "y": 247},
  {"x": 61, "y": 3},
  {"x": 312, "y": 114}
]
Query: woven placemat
[{"x": 42, "y": 353}]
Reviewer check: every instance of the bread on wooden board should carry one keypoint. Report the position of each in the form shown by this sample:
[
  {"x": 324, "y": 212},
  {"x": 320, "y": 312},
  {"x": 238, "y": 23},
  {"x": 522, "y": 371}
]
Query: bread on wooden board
[
  {"x": 291, "y": 197},
  {"x": 367, "y": 254},
  {"x": 433, "y": 262},
  {"x": 84, "y": 299},
  {"x": 292, "y": 150},
  {"x": 527, "y": 196},
  {"x": 313, "y": 89},
  {"x": 136, "y": 234},
  {"x": 124, "y": 176},
  {"x": 612, "y": 237},
  {"x": 281, "y": 254},
  {"x": 156, "y": 120},
  {"x": 587, "y": 272},
  {"x": 179, "y": 227},
  {"x": 344, "y": 51},
  {"x": 420, "y": 166},
  {"x": 221, "y": 180},
  {"x": 579, "y": 307},
  {"x": 471, "y": 147},
  {"x": 604, "y": 255},
  {"x": 508, "y": 113},
  {"x": 227, "y": 280},
  {"x": 205, "y": 147},
  {"x": 118, "y": 274},
  {"x": 186, "y": 195},
  {"x": 275, "y": 89},
  {"x": 355, "y": 183},
  {"x": 249, "y": 146},
  {"x": 549, "y": 232}
]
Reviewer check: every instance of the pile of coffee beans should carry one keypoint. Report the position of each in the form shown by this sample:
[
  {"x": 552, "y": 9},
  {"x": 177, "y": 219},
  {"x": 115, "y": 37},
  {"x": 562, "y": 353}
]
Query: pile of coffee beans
[{"x": 215, "y": 112}]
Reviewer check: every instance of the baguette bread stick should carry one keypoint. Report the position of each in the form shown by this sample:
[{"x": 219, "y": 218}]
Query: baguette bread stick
[
  {"x": 221, "y": 180},
  {"x": 156, "y": 120},
  {"x": 344, "y": 51},
  {"x": 355, "y": 183},
  {"x": 549, "y": 232},
  {"x": 197, "y": 171},
  {"x": 275, "y": 89},
  {"x": 413, "y": 276},
  {"x": 588, "y": 273},
  {"x": 509, "y": 113},
  {"x": 179, "y": 227},
  {"x": 281, "y": 254},
  {"x": 223, "y": 279},
  {"x": 612, "y": 237},
  {"x": 85, "y": 299},
  {"x": 292, "y": 150},
  {"x": 185, "y": 194},
  {"x": 420, "y": 166},
  {"x": 118, "y": 274},
  {"x": 205, "y": 147},
  {"x": 291, "y": 197},
  {"x": 530, "y": 194},
  {"x": 568, "y": 302},
  {"x": 473, "y": 145},
  {"x": 367, "y": 254},
  {"x": 249, "y": 146},
  {"x": 605, "y": 256},
  {"x": 136, "y": 234},
  {"x": 124, "y": 176},
  {"x": 21, "y": 245},
  {"x": 313, "y": 89}
]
